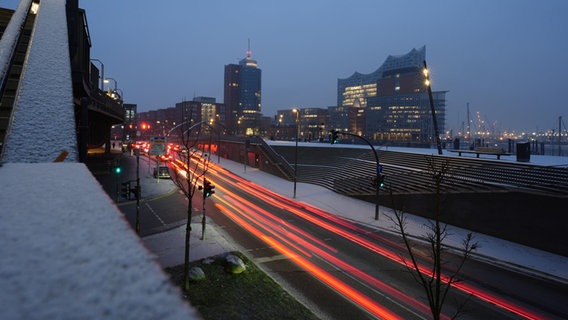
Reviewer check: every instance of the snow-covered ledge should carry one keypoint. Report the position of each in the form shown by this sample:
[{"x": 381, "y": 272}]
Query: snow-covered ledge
[
  {"x": 67, "y": 252},
  {"x": 43, "y": 123}
]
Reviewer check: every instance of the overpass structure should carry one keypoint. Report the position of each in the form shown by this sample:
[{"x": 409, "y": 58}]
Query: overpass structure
[
  {"x": 50, "y": 101},
  {"x": 67, "y": 251}
]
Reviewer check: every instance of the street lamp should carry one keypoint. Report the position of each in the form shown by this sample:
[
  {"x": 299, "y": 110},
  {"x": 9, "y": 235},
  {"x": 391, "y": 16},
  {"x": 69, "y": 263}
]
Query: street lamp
[
  {"x": 102, "y": 73},
  {"x": 436, "y": 132},
  {"x": 297, "y": 112},
  {"x": 238, "y": 125},
  {"x": 117, "y": 95},
  {"x": 218, "y": 117},
  {"x": 115, "y": 83},
  {"x": 334, "y": 134}
]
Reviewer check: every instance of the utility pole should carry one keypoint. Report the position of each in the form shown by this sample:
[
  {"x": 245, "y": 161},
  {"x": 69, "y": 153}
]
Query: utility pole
[{"x": 203, "y": 219}]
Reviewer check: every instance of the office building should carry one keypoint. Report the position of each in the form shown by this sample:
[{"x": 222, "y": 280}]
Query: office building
[
  {"x": 231, "y": 97},
  {"x": 242, "y": 95},
  {"x": 129, "y": 125},
  {"x": 392, "y": 102}
]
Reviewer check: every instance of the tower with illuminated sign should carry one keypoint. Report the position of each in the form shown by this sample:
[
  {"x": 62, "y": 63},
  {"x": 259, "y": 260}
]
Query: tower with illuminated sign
[{"x": 242, "y": 95}]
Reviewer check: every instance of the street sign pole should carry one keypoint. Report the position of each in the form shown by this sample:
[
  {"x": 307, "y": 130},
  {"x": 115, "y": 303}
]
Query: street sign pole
[{"x": 138, "y": 191}]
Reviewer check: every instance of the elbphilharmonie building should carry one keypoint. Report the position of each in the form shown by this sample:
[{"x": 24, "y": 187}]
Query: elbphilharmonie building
[{"x": 392, "y": 103}]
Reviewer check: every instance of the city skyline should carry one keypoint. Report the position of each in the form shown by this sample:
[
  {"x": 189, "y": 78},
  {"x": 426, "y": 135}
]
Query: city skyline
[{"x": 504, "y": 59}]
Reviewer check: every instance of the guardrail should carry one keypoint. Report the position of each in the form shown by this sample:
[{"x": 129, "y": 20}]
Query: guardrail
[
  {"x": 408, "y": 173},
  {"x": 275, "y": 158},
  {"x": 484, "y": 150},
  {"x": 106, "y": 105}
]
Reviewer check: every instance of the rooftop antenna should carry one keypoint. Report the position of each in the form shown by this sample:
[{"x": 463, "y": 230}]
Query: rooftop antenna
[{"x": 248, "y": 49}]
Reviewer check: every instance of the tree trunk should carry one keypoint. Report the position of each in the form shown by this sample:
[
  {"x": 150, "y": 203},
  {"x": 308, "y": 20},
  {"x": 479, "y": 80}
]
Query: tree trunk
[{"x": 187, "y": 240}]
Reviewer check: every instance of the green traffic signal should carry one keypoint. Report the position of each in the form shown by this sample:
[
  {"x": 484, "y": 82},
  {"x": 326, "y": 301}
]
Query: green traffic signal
[
  {"x": 117, "y": 170},
  {"x": 379, "y": 181},
  {"x": 334, "y": 136},
  {"x": 207, "y": 189}
]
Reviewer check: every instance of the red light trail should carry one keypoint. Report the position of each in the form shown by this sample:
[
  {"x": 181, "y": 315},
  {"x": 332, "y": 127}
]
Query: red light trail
[
  {"x": 291, "y": 242},
  {"x": 363, "y": 301}
]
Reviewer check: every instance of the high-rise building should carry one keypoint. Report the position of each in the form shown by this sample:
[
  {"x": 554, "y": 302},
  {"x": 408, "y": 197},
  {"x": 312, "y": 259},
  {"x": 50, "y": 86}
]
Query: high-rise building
[
  {"x": 242, "y": 95},
  {"x": 201, "y": 113},
  {"x": 130, "y": 121},
  {"x": 231, "y": 97},
  {"x": 339, "y": 118},
  {"x": 392, "y": 102}
]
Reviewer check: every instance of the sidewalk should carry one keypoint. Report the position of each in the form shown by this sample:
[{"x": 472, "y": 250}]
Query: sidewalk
[{"x": 169, "y": 245}]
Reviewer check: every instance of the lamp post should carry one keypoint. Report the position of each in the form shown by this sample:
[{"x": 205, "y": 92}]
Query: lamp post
[
  {"x": 334, "y": 133},
  {"x": 218, "y": 118},
  {"x": 436, "y": 132},
  {"x": 102, "y": 73},
  {"x": 115, "y": 83},
  {"x": 138, "y": 190},
  {"x": 238, "y": 125},
  {"x": 297, "y": 112},
  {"x": 120, "y": 94}
]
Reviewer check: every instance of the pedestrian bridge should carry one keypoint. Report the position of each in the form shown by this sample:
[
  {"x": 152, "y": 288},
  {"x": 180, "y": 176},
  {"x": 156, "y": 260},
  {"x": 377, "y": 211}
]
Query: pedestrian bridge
[
  {"x": 67, "y": 252},
  {"x": 50, "y": 101}
]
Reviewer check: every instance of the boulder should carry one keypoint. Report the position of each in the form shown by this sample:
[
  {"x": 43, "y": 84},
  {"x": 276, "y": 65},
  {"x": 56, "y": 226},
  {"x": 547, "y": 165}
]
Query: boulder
[
  {"x": 196, "y": 274},
  {"x": 234, "y": 264}
]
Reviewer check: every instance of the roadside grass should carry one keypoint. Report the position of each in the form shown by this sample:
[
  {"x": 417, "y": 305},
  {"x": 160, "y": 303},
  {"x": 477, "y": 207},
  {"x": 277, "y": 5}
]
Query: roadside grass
[{"x": 249, "y": 295}]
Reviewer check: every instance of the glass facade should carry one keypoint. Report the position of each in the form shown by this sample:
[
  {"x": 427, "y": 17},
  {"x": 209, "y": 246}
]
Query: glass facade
[
  {"x": 392, "y": 103},
  {"x": 249, "y": 95},
  {"x": 405, "y": 117}
]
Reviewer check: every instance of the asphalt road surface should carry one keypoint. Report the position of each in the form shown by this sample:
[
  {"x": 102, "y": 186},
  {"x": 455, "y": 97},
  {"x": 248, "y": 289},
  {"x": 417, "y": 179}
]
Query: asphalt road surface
[{"x": 338, "y": 268}]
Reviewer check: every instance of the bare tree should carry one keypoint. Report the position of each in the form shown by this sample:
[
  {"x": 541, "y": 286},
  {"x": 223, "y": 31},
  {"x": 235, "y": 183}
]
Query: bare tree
[
  {"x": 440, "y": 276},
  {"x": 190, "y": 166}
]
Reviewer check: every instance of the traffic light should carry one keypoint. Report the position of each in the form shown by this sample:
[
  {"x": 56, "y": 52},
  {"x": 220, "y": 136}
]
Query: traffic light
[
  {"x": 379, "y": 181},
  {"x": 136, "y": 192},
  {"x": 334, "y": 136},
  {"x": 207, "y": 189},
  {"x": 117, "y": 169},
  {"x": 125, "y": 190}
]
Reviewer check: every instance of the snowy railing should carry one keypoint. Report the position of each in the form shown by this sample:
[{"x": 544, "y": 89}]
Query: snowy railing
[
  {"x": 107, "y": 105},
  {"x": 10, "y": 38},
  {"x": 276, "y": 159},
  {"x": 44, "y": 107}
]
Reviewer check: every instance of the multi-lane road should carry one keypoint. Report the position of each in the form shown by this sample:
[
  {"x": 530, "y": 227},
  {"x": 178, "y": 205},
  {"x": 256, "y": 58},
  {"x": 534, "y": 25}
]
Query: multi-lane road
[{"x": 341, "y": 269}]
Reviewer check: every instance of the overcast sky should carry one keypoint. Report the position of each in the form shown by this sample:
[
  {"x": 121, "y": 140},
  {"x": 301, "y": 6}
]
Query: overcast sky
[{"x": 506, "y": 58}]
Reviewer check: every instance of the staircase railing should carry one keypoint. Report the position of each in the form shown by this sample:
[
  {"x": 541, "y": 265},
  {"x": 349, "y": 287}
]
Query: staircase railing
[{"x": 276, "y": 159}]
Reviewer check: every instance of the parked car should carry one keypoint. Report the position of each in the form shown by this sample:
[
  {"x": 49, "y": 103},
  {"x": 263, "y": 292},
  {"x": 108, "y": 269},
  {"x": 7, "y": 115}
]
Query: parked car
[{"x": 162, "y": 171}]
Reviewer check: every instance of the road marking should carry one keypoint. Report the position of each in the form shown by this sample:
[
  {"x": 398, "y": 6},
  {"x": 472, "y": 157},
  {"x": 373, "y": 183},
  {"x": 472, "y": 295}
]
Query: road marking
[
  {"x": 270, "y": 259},
  {"x": 155, "y": 214}
]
